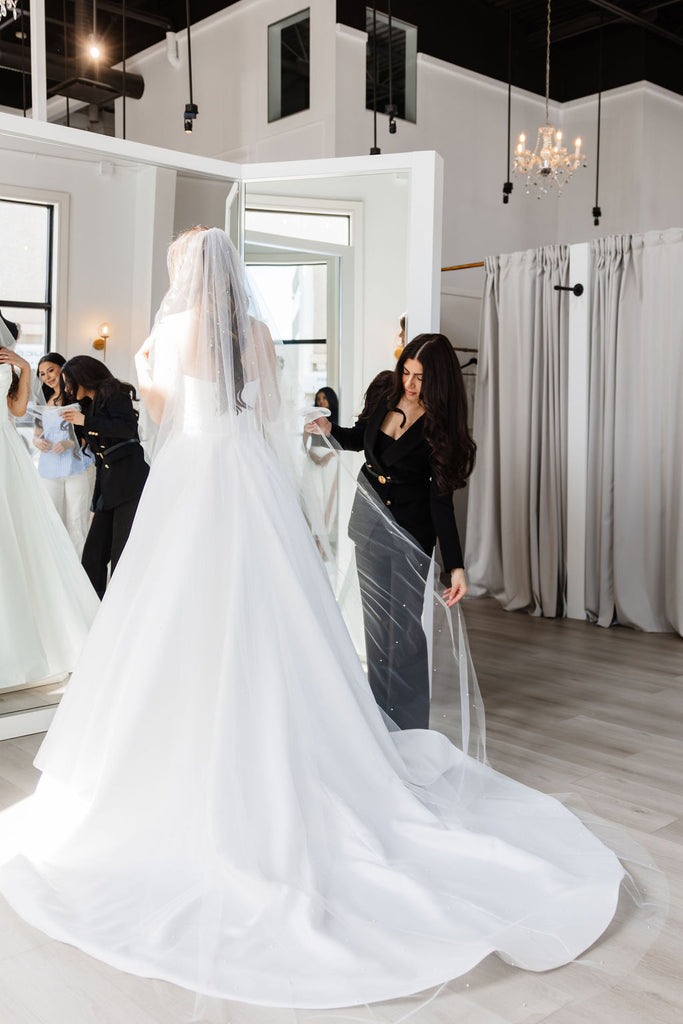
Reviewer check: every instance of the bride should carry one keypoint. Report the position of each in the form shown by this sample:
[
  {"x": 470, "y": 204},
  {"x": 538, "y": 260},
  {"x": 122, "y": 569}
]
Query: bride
[{"x": 222, "y": 803}]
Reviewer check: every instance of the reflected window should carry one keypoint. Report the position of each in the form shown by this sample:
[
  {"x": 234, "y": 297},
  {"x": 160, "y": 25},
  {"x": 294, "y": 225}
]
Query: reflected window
[
  {"x": 296, "y": 312},
  {"x": 314, "y": 227},
  {"x": 402, "y": 69},
  {"x": 289, "y": 52},
  {"x": 27, "y": 232}
]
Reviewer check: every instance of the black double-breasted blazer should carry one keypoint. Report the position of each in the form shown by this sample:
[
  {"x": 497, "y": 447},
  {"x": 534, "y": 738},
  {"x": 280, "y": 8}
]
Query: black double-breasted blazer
[
  {"x": 403, "y": 478},
  {"x": 111, "y": 433}
]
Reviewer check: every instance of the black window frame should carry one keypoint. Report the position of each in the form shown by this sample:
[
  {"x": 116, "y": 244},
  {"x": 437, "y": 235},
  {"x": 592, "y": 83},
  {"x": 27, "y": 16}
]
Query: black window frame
[
  {"x": 48, "y": 304},
  {"x": 304, "y": 15}
]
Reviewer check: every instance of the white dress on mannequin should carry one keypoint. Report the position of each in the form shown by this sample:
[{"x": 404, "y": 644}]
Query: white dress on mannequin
[
  {"x": 222, "y": 804},
  {"x": 46, "y": 601}
]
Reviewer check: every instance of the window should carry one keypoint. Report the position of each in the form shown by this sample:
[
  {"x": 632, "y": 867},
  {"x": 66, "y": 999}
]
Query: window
[
  {"x": 314, "y": 227},
  {"x": 297, "y": 313},
  {"x": 27, "y": 231},
  {"x": 403, "y": 65},
  {"x": 289, "y": 53}
]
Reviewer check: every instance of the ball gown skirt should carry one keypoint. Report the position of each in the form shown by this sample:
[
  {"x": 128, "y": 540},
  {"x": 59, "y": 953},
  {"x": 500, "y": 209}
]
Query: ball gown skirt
[
  {"x": 222, "y": 805},
  {"x": 46, "y": 601}
]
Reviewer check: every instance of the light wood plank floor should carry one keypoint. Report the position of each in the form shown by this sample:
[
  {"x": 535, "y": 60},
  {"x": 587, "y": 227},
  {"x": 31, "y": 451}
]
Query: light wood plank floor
[{"x": 571, "y": 709}]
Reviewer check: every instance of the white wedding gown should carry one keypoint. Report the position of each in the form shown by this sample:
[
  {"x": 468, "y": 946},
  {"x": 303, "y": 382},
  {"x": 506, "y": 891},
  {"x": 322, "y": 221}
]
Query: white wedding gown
[
  {"x": 46, "y": 601},
  {"x": 222, "y": 805}
]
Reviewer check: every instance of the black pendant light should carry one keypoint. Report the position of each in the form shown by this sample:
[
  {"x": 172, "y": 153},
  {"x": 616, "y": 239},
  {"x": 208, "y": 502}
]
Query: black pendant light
[
  {"x": 374, "y": 150},
  {"x": 123, "y": 68},
  {"x": 597, "y": 212},
  {"x": 507, "y": 185},
  {"x": 191, "y": 108},
  {"x": 391, "y": 109}
]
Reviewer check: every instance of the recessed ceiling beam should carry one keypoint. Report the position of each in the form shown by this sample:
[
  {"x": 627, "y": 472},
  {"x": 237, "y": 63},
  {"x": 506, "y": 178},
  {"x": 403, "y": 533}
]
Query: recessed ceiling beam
[
  {"x": 59, "y": 70},
  {"x": 636, "y": 19},
  {"x": 111, "y": 7},
  {"x": 573, "y": 27}
]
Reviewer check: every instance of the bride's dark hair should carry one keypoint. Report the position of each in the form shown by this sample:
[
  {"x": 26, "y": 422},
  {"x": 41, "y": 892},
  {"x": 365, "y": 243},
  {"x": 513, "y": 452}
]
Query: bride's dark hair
[{"x": 452, "y": 450}]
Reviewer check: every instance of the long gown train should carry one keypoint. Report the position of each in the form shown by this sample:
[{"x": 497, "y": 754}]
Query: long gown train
[{"x": 222, "y": 805}]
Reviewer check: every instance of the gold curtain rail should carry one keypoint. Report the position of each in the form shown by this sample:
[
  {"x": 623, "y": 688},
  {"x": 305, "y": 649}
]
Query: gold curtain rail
[{"x": 463, "y": 266}]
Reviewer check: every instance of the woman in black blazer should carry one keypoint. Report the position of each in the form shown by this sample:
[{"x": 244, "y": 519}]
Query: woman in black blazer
[
  {"x": 108, "y": 425},
  {"x": 418, "y": 450}
]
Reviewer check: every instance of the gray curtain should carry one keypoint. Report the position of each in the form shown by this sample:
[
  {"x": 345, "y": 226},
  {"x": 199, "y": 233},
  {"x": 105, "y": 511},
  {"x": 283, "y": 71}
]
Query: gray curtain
[
  {"x": 634, "y": 515},
  {"x": 516, "y": 518}
]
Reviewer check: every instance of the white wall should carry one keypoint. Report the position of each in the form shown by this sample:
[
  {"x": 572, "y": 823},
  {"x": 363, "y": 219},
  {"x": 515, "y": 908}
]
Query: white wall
[
  {"x": 230, "y": 80},
  {"x": 461, "y": 114},
  {"x": 100, "y": 232}
]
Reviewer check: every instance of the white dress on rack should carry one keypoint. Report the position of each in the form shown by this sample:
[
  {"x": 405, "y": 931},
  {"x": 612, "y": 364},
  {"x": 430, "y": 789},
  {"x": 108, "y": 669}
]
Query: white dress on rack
[
  {"x": 46, "y": 601},
  {"x": 222, "y": 804}
]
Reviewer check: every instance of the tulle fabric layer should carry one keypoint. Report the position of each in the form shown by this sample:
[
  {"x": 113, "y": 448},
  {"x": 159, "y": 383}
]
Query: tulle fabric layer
[
  {"x": 222, "y": 805},
  {"x": 46, "y": 601}
]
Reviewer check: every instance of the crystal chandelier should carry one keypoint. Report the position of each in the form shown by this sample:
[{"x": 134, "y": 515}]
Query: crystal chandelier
[
  {"x": 550, "y": 166},
  {"x": 8, "y": 5}
]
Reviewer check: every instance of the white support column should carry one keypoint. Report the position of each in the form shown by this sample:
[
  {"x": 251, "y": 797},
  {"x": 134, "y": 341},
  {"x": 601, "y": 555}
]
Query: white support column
[
  {"x": 577, "y": 428},
  {"x": 426, "y": 224},
  {"x": 38, "y": 71}
]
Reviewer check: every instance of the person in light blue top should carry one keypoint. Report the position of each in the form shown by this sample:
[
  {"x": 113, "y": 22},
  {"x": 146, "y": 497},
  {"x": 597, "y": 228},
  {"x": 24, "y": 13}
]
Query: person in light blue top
[{"x": 66, "y": 469}]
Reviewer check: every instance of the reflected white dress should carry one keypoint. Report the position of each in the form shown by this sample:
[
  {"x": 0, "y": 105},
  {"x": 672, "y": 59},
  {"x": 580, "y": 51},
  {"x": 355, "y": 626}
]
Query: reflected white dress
[
  {"x": 47, "y": 603},
  {"x": 222, "y": 805}
]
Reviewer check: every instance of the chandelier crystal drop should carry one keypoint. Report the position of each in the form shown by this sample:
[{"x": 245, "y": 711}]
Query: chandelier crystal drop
[
  {"x": 6, "y": 6},
  {"x": 550, "y": 166}
]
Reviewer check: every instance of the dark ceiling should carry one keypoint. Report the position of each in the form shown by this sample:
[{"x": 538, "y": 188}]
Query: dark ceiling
[{"x": 640, "y": 39}]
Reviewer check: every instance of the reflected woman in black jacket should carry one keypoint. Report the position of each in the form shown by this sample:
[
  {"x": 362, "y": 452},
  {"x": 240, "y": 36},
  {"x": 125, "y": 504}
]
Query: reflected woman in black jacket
[
  {"x": 418, "y": 450},
  {"x": 108, "y": 424}
]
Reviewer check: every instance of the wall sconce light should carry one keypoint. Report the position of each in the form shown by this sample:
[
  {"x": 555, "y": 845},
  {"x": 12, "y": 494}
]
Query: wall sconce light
[{"x": 100, "y": 342}]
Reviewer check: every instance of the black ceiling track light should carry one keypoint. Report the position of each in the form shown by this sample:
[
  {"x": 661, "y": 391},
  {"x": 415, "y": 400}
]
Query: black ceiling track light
[
  {"x": 191, "y": 108},
  {"x": 507, "y": 185}
]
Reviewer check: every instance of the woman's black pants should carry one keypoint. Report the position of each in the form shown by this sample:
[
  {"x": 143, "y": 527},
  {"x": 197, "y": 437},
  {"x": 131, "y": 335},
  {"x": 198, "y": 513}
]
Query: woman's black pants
[
  {"x": 392, "y": 585},
  {"x": 106, "y": 540}
]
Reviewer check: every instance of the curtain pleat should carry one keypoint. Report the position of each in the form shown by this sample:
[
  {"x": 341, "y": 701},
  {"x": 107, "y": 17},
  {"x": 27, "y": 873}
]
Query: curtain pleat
[
  {"x": 516, "y": 521},
  {"x": 634, "y": 514}
]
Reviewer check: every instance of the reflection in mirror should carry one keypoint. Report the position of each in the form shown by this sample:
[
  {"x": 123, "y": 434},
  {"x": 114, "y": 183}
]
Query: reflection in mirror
[
  {"x": 328, "y": 256},
  {"x": 330, "y": 259}
]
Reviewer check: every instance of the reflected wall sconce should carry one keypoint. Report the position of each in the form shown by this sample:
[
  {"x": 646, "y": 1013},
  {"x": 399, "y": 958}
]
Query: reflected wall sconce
[{"x": 100, "y": 342}]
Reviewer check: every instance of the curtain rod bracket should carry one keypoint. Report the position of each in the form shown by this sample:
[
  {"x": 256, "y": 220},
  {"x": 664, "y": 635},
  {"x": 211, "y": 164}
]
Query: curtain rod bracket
[{"x": 577, "y": 288}]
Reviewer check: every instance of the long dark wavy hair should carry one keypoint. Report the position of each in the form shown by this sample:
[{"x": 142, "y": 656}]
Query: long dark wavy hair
[
  {"x": 444, "y": 400},
  {"x": 14, "y": 331},
  {"x": 95, "y": 376},
  {"x": 57, "y": 360},
  {"x": 332, "y": 402}
]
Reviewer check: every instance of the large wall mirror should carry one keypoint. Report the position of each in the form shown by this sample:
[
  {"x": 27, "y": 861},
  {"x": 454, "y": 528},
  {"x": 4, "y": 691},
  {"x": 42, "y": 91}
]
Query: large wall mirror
[{"x": 339, "y": 250}]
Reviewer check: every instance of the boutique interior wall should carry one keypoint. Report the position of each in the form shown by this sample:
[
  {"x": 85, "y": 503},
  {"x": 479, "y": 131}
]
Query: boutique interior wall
[
  {"x": 460, "y": 114},
  {"x": 114, "y": 223}
]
